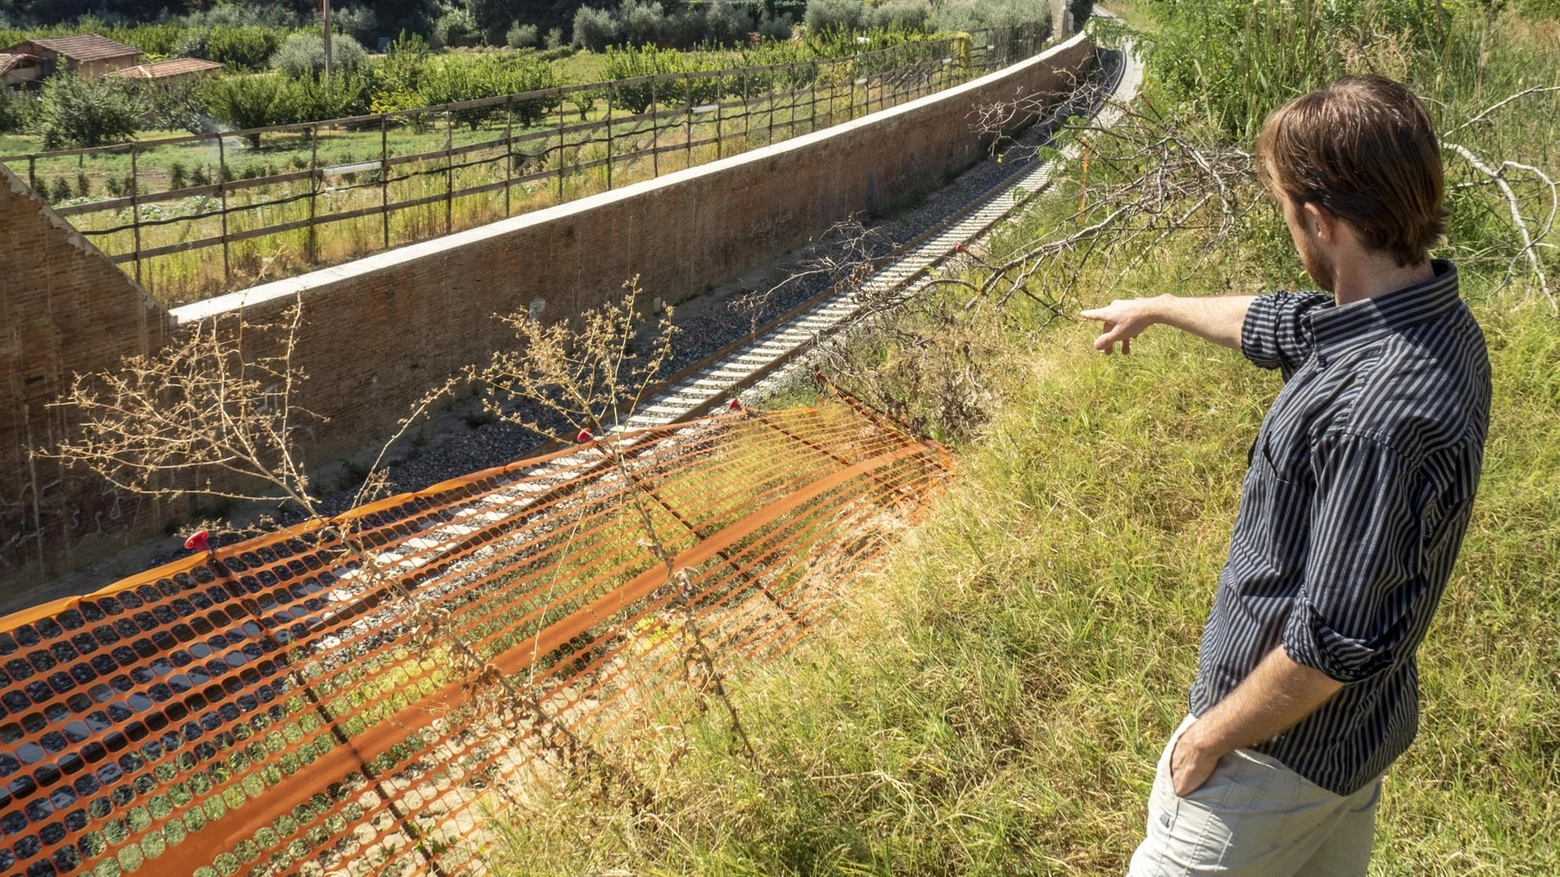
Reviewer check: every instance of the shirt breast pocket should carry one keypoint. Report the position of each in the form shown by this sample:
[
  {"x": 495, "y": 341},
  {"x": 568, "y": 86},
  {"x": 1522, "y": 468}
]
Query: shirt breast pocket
[{"x": 1271, "y": 531}]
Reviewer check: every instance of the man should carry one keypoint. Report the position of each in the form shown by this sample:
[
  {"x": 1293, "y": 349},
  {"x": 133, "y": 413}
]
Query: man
[{"x": 1355, "y": 501}]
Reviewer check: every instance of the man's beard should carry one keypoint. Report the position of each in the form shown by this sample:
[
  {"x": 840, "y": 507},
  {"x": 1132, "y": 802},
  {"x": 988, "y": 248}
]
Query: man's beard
[{"x": 1317, "y": 264}]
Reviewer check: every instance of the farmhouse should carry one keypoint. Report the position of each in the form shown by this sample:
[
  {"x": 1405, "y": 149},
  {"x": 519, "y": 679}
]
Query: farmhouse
[
  {"x": 85, "y": 54},
  {"x": 18, "y": 71},
  {"x": 168, "y": 71}
]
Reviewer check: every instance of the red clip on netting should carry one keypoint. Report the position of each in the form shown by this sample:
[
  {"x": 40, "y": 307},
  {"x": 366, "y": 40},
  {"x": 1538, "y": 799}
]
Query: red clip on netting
[{"x": 294, "y": 704}]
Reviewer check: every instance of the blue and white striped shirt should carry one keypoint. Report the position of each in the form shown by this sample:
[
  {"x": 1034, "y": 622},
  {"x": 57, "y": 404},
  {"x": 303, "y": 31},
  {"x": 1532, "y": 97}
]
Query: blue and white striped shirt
[{"x": 1358, "y": 492}]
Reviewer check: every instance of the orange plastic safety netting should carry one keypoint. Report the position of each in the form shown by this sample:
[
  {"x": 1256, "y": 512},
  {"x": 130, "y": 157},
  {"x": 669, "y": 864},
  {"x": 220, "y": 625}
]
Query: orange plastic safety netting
[{"x": 296, "y": 704}]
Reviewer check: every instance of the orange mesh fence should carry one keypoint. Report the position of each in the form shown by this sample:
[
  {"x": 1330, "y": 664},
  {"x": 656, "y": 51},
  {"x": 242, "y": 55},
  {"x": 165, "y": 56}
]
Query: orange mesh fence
[{"x": 292, "y": 705}]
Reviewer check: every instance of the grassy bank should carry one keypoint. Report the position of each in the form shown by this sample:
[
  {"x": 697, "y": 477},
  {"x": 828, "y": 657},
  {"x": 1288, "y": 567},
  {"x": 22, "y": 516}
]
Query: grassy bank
[
  {"x": 994, "y": 700},
  {"x": 993, "y": 703}
]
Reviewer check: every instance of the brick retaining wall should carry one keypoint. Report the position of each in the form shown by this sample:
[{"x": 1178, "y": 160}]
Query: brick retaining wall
[{"x": 64, "y": 309}]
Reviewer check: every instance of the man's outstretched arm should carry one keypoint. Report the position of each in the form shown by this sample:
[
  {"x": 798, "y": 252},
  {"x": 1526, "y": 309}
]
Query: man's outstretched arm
[
  {"x": 1273, "y": 699},
  {"x": 1213, "y": 318}
]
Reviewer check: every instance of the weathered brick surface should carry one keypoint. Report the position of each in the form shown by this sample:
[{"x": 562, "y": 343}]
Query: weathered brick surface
[
  {"x": 64, "y": 309},
  {"x": 376, "y": 333}
]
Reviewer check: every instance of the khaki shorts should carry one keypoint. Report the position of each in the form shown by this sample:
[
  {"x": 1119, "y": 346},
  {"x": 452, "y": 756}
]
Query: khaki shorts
[{"x": 1254, "y": 817}]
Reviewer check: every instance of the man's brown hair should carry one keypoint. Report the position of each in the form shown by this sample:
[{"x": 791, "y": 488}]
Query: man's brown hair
[{"x": 1365, "y": 151}]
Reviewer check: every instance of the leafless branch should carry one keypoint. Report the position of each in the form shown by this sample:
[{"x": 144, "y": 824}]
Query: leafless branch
[
  {"x": 1488, "y": 111},
  {"x": 844, "y": 256},
  {"x": 1531, "y": 243}
]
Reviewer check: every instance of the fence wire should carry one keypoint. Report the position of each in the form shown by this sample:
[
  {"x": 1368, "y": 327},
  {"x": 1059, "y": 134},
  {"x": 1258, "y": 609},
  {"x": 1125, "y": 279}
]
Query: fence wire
[
  {"x": 193, "y": 216},
  {"x": 284, "y": 705}
]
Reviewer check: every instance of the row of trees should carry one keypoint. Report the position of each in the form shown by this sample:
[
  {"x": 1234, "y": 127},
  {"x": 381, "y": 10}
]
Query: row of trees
[
  {"x": 245, "y": 35},
  {"x": 157, "y": 26},
  {"x": 76, "y": 111},
  {"x": 648, "y": 23}
]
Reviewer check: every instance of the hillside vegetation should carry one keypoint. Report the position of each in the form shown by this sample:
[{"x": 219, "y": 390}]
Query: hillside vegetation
[{"x": 994, "y": 701}]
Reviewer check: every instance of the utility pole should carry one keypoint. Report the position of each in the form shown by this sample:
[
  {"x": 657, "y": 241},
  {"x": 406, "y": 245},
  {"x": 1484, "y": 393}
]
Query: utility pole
[{"x": 325, "y": 12}]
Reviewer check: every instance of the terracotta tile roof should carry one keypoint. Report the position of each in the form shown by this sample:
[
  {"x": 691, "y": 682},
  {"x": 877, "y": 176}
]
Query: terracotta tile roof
[
  {"x": 9, "y": 61},
  {"x": 87, "y": 47},
  {"x": 164, "y": 69}
]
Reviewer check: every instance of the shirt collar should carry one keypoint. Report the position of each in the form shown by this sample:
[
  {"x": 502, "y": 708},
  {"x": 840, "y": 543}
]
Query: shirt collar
[{"x": 1336, "y": 326}]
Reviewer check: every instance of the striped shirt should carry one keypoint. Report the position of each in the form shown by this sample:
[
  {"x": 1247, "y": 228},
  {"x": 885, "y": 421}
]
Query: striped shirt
[{"x": 1356, "y": 498}]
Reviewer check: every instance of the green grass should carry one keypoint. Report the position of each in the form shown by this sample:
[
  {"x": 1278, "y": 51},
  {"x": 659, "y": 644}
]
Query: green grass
[{"x": 994, "y": 702}]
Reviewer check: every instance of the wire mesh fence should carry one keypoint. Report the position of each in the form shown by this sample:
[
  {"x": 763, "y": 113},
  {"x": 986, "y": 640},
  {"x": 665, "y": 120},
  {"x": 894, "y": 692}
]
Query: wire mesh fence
[
  {"x": 286, "y": 706},
  {"x": 194, "y": 216}
]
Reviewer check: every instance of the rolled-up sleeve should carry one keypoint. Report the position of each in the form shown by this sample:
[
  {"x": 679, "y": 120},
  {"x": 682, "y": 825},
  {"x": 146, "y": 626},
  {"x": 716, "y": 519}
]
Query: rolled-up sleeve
[
  {"x": 1354, "y": 616},
  {"x": 1274, "y": 334}
]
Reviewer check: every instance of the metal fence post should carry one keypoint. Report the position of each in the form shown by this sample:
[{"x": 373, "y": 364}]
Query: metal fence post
[
  {"x": 688, "y": 140},
  {"x": 449, "y": 172},
  {"x": 813, "y": 87},
  {"x": 611, "y": 102},
  {"x": 227, "y": 259},
  {"x": 135, "y": 209},
  {"x": 311, "y": 241},
  {"x": 509, "y": 149},
  {"x": 655, "y": 131},
  {"x": 560, "y": 152},
  {"x": 790, "y": 130},
  {"x": 384, "y": 183}
]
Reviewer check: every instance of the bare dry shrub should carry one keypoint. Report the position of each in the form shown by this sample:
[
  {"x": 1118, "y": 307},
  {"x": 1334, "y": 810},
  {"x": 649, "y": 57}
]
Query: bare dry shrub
[
  {"x": 208, "y": 416},
  {"x": 844, "y": 256},
  {"x": 593, "y": 379}
]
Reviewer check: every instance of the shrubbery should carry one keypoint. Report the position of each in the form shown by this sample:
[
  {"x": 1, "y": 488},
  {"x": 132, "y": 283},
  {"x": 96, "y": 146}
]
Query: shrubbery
[
  {"x": 649, "y": 23},
  {"x": 775, "y": 27},
  {"x": 16, "y": 111},
  {"x": 522, "y": 36},
  {"x": 898, "y": 15},
  {"x": 456, "y": 27},
  {"x": 983, "y": 14},
  {"x": 484, "y": 76},
  {"x": 82, "y": 111},
  {"x": 594, "y": 29},
  {"x": 303, "y": 54},
  {"x": 1081, "y": 10},
  {"x": 266, "y": 100},
  {"x": 641, "y": 22},
  {"x": 174, "y": 105},
  {"x": 237, "y": 48},
  {"x": 358, "y": 22},
  {"x": 726, "y": 23},
  {"x": 824, "y": 16}
]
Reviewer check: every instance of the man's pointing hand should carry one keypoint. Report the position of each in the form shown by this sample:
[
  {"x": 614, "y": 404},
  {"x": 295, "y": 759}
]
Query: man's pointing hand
[{"x": 1124, "y": 320}]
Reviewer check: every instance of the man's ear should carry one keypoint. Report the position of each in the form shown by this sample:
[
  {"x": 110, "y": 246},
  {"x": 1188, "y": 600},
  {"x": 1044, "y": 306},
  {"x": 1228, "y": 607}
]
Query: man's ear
[{"x": 1323, "y": 225}]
